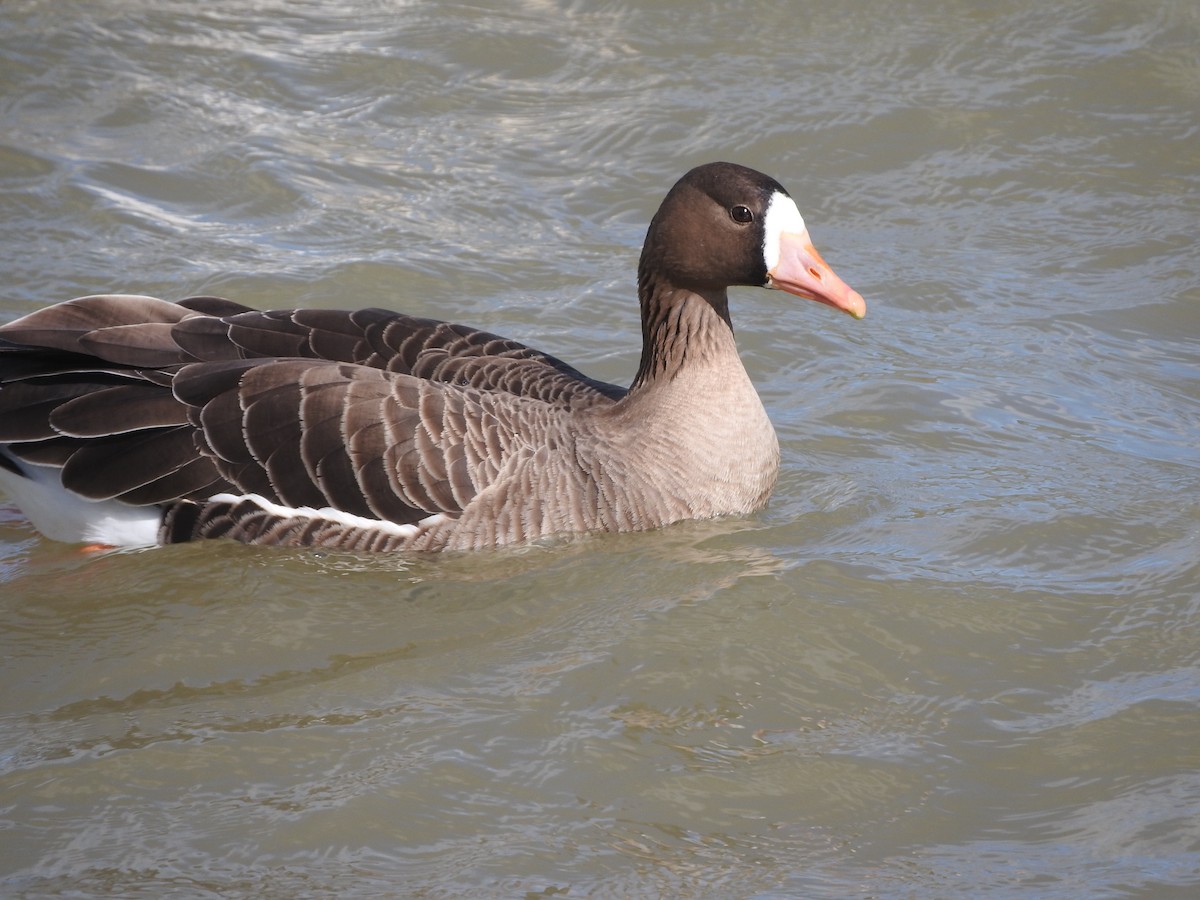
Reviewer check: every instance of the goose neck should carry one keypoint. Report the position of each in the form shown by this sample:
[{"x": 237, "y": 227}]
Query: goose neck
[{"x": 681, "y": 328}]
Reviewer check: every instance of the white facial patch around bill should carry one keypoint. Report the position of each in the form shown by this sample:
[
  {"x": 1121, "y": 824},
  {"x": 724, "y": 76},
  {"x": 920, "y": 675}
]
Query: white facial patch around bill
[{"x": 783, "y": 217}]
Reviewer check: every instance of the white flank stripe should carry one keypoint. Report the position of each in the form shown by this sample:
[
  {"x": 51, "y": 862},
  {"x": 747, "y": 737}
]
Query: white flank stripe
[{"x": 330, "y": 514}]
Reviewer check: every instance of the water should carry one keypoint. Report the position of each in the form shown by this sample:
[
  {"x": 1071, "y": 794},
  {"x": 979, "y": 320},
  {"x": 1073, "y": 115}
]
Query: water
[{"x": 958, "y": 654}]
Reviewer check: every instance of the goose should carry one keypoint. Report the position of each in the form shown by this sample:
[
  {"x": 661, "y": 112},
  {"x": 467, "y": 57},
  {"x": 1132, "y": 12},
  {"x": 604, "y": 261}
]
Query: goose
[{"x": 129, "y": 421}]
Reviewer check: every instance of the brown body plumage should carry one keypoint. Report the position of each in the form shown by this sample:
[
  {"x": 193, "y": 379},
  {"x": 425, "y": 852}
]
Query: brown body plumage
[{"x": 373, "y": 430}]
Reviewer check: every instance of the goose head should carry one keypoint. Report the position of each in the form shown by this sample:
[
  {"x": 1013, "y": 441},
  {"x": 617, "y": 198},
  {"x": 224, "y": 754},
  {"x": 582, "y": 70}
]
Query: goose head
[{"x": 723, "y": 225}]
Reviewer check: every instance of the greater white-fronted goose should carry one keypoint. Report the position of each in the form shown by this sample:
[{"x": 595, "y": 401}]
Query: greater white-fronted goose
[{"x": 128, "y": 420}]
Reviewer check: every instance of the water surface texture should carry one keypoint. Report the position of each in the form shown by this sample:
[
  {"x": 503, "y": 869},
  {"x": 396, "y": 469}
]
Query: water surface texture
[{"x": 957, "y": 655}]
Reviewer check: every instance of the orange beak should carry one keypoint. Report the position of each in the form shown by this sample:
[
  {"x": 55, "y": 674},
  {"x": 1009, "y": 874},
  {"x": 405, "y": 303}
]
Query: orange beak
[{"x": 802, "y": 272}]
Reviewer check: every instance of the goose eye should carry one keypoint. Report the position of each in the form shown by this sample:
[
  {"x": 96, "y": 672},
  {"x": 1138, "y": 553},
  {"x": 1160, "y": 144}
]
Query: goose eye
[{"x": 741, "y": 214}]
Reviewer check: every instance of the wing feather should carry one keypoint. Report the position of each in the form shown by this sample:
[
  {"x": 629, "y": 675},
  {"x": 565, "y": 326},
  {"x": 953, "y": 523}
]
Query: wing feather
[
  {"x": 110, "y": 467},
  {"x": 141, "y": 406},
  {"x": 378, "y": 414}
]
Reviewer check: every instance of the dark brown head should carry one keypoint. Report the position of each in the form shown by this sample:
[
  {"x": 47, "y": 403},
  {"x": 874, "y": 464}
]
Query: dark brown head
[{"x": 723, "y": 224}]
